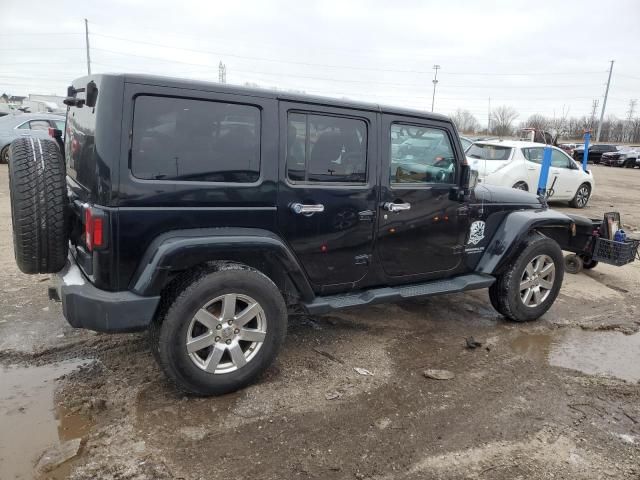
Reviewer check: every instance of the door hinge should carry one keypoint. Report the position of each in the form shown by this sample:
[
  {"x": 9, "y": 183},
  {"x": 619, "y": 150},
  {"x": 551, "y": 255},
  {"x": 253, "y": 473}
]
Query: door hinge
[{"x": 362, "y": 259}]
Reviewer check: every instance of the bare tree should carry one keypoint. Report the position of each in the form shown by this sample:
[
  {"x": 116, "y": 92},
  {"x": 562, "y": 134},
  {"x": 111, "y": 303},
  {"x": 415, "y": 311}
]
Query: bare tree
[
  {"x": 502, "y": 119},
  {"x": 537, "y": 121},
  {"x": 465, "y": 121}
]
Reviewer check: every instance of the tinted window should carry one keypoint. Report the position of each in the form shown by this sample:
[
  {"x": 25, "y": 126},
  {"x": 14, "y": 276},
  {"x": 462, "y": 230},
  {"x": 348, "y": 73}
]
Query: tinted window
[
  {"x": 322, "y": 148},
  {"x": 197, "y": 140},
  {"x": 489, "y": 152},
  {"x": 424, "y": 155},
  {"x": 59, "y": 124}
]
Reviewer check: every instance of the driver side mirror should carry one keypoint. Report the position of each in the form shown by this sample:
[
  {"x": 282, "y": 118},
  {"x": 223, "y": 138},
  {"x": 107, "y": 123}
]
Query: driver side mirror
[{"x": 469, "y": 178}]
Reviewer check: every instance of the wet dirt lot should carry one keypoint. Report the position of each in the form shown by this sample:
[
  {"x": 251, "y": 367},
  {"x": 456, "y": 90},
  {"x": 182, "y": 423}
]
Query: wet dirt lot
[{"x": 558, "y": 398}]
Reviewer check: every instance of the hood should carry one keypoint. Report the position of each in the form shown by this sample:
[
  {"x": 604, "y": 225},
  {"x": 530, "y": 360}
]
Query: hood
[{"x": 506, "y": 195}]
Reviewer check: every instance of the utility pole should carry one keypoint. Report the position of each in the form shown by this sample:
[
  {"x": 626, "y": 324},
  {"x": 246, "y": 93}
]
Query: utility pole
[
  {"x": 604, "y": 103},
  {"x": 435, "y": 82},
  {"x": 222, "y": 73},
  {"x": 594, "y": 109},
  {"x": 86, "y": 37},
  {"x": 489, "y": 118}
]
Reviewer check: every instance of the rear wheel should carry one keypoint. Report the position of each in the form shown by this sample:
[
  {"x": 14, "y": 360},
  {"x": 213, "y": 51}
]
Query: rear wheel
[
  {"x": 220, "y": 330},
  {"x": 39, "y": 201},
  {"x": 521, "y": 186},
  {"x": 528, "y": 288},
  {"x": 582, "y": 196}
]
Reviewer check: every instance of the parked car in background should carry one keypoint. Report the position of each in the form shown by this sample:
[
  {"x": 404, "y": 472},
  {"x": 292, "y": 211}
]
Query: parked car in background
[
  {"x": 517, "y": 164},
  {"x": 466, "y": 143},
  {"x": 569, "y": 147},
  {"x": 628, "y": 157},
  {"x": 595, "y": 152},
  {"x": 26, "y": 124}
]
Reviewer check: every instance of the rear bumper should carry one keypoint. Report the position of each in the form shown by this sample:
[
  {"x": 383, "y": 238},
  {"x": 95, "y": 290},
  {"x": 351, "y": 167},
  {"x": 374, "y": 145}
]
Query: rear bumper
[{"x": 86, "y": 306}]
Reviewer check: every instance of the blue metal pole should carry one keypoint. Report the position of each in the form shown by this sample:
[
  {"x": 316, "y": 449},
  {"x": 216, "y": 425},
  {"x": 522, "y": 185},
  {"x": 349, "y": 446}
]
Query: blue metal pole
[
  {"x": 585, "y": 158},
  {"x": 544, "y": 172}
]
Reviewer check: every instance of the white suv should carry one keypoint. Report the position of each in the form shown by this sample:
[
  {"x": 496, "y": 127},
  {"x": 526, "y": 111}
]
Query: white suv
[{"x": 517, "y": 164}]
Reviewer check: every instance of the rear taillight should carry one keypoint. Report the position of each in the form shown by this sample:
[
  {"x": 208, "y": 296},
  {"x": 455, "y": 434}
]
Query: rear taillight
[{"x": 94, "y": 229}]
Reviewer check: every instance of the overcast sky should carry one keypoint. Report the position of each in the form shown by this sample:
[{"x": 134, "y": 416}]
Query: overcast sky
[{"x": 537, "y": 56}]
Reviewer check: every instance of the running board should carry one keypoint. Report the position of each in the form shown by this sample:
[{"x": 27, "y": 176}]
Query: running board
[{"x": 462, "y": 283}]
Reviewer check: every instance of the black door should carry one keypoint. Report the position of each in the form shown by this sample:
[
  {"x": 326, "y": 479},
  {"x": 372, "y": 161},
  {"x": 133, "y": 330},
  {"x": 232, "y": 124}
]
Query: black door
[
  {"x": 422, "y": 227},
  {"x": 327, "y": 191}
]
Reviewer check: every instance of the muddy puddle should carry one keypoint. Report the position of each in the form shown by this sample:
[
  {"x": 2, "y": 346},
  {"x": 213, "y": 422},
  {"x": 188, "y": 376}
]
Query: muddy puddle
[
  {"x": 590, "y": 352},
  {"x": 30, "y": 422}
]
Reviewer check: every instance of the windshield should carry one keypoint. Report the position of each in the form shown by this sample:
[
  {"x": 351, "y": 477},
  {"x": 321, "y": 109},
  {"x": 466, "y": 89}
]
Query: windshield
[{"x": 489, "y": 152}]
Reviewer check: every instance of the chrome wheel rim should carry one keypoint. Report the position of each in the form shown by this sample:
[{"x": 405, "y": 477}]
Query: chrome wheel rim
[
  {"x": 226, "y": 333},
  {"x": 537, "y": 281},
  {"x": 582, "y": 196}
]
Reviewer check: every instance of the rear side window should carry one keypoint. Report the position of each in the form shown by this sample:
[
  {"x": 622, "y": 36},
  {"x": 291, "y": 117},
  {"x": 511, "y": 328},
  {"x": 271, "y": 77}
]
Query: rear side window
[
  {"x": 489, "y": 152},
  {"x": 323, "y": 148},
  {"x": 533, "y": 154},
  {"x": 195, "y": 140}
]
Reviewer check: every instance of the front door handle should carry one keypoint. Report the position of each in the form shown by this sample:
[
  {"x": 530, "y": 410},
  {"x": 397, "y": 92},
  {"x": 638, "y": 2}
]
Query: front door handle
[
  {"x": 302, "y": 209},
  {"x": 396, "y": 207}
]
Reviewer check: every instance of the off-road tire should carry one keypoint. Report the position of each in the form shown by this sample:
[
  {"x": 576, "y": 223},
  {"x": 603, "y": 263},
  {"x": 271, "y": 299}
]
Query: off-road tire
[
  {"x": 505, "y": 292},
  {"x": 575, "y": 202},
  {"x": 630, "y": 164},
  {"x": 38, "y": 190},
  {"x": 184, "y": 297},
  {"x": 4, "y": 155}
]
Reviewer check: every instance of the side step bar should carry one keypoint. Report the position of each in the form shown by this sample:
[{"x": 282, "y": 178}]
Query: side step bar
[{"x": 462, "y": 283}]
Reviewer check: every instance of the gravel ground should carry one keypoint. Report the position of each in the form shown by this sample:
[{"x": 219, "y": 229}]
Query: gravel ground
[{"x": 558, "y": 398}]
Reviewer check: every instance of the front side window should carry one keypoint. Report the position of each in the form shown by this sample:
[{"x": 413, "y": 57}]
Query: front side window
[
  {"x": 195, "y": 140},
  {"x": 323, "y": 148},
  {"x": 559, "y": 159},
  {"x": 423, "y": 155}
]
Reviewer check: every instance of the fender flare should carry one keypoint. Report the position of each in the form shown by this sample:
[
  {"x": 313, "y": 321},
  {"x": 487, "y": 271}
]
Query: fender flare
[
  {"x": 512, "y": 233},
  {"x": 180, "y": 250}
]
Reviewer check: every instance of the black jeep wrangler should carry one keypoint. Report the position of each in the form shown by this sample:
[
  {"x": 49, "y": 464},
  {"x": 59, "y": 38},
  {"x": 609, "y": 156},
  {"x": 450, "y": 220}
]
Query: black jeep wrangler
[{"x": 205, "y": 212}]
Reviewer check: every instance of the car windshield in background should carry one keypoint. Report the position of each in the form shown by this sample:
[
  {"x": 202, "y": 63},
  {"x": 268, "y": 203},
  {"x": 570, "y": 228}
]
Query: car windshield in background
[{"x": 489, "y": 152}]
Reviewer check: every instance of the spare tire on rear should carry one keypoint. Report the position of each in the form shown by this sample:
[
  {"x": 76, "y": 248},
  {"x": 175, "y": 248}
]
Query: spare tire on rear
[{"x": 39, "y": 201}]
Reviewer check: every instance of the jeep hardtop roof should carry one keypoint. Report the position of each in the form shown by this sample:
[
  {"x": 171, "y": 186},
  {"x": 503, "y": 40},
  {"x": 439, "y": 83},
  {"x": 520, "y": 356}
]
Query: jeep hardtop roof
[{"x": 181, "y": 83}]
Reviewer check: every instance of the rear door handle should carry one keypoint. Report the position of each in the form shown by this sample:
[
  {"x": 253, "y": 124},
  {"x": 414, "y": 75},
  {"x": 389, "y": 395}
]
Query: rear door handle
[
  {"x": 302, "y": 209},
  {"x": 396, "y": 207}
]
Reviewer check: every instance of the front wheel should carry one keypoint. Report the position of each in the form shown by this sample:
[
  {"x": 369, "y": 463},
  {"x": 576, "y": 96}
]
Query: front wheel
[
  {"x": 582, "y": 196},
  {"x": 528, "y": 288},
  {"x": 219, "y": 330}
]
